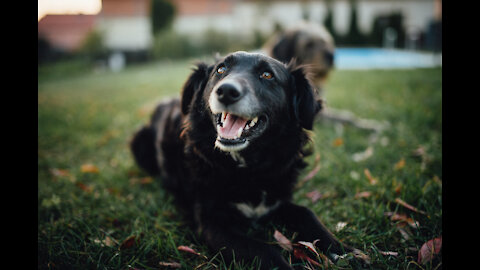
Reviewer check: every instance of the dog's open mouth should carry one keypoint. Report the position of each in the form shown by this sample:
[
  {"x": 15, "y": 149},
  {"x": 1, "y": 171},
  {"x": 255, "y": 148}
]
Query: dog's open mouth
[{"x": 234, "y": 132}]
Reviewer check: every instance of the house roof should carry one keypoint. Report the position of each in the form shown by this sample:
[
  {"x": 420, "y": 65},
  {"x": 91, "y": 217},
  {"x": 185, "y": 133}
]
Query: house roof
[
  {"x": 203, "y": 7},
  {"x": 66, "y": 32},
  {"x": 125, "y": 8}
]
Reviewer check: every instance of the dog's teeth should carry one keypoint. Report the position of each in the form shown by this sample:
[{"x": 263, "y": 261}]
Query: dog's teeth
[
  {"x": 253, "y": 122},
  {"x": 223, "y": 117},
  {"x": 239, "y": 132}
]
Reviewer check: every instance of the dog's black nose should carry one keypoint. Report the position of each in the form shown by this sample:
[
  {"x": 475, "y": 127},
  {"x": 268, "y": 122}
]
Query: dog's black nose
[{"x": 228, "y": 94}]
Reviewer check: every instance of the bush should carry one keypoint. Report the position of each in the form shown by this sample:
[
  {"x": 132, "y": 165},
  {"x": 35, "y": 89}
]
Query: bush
[
  {"x": 170, "y": 44},
  {"x": 173, "y": 45},
  {"x": 93, "y": 47}
]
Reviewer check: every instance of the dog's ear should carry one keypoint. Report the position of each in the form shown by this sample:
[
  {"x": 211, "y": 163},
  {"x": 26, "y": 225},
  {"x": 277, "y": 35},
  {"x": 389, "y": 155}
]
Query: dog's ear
[
  {"x": 284, "y": 48},
  {"x": 305, "y": 101},
  {"x": 195, "y": 82}
]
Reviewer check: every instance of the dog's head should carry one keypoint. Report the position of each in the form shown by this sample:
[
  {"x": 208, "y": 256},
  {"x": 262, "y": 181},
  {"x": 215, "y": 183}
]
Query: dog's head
[
  {"x": 245, "y": 96},
  {"x": 310, "y": 44}
]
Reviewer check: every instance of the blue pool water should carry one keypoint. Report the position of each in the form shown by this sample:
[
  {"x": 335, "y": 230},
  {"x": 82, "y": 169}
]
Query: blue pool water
[{"x": 377, "y": 58}]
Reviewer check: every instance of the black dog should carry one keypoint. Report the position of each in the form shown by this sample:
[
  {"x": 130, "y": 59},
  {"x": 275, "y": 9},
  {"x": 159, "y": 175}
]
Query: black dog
[{"x": 231, "y": 151}]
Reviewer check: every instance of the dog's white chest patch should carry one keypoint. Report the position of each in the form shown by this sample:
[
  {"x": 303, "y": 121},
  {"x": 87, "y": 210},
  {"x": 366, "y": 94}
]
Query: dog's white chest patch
[{"x": 258, "y": 211}]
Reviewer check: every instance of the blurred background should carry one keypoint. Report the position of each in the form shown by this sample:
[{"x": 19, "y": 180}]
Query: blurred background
[{"x": 111, "y": 34}]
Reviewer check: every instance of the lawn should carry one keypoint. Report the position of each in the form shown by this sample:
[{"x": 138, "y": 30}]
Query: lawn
[{"x": 97, "y": 210}]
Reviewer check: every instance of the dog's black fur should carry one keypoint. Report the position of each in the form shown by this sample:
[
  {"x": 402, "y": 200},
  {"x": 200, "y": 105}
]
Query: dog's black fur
[{"x": 219, "y": 182}]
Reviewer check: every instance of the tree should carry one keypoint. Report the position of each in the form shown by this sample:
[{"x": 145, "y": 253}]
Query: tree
[
  {"x": 328, "y": 22},
  {"x": 354, "y": 36},
  {"x": 162, "y": 14}
]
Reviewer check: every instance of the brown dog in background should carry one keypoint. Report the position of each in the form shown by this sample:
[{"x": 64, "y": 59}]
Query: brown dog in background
[
  {"x": 314, "y": 47},
  {"x": 310, "y": 44}
]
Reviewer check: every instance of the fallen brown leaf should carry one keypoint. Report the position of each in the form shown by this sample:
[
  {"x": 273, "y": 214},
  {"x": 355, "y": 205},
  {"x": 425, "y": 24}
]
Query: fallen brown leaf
[
  {"x": 308, "y": 245},
  {"x": 408, "y": 206},
  {"x": 300, "y": 254},
  {"x": 399, "y": 165},
  {"x": 403, "y": 219},
  {"x": 142, "y": 181},
  {"x": 128, "y": 242},
  {"x": 84, "y": 187},
  {"x": 371, "y": 179},
  {"x": 363, "y": 194},
  {"x": 107, "y": 242},
  {"x": 338, "y": 142},
  {"x": 314, "y": 195},
  {"x": 311, "y": 174},
  {"x": 406, "y": 235},
  {"x": 146, "y": 180},
  {"x": 429, "y": 250},
  {"x": 170, "y": 264},
  {"x": 89, "y": 168},
  {"x": 59, "y": 172},
  {"x": 388, "y": 253},
  {"x": 282, "y": 241},
  {"x": 190, "y": 250}
]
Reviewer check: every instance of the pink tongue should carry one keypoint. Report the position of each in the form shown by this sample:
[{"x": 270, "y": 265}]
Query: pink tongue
[{"x": 231, "y": 125}]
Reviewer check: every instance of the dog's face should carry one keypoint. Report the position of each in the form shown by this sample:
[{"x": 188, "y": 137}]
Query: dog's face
[
  {"x": 245, "y": 95},
  {"x": 310, "y": 44}
]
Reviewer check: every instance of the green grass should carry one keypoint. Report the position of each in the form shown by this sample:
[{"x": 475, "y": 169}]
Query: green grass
[{"x": 88, "y": 118}]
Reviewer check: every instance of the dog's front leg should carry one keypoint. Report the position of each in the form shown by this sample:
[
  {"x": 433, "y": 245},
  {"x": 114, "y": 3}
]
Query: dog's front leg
[
  {"x": 303, "y": 221},
  {"x": 233, "y": 243}
]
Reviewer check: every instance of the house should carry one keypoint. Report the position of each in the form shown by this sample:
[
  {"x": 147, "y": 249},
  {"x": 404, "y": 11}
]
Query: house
[
  {"x": 242, "y": 17},
  {"x": 123, "y": 24},
  {"x": 126, "y": 28},
  {"x": 66, "y": 32}
]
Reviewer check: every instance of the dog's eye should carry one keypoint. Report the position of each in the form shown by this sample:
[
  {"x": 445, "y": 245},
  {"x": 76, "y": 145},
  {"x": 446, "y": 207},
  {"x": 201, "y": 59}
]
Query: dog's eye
[
  {"x": 221, "y": 70},
  {"x": 267, "y": 75}
]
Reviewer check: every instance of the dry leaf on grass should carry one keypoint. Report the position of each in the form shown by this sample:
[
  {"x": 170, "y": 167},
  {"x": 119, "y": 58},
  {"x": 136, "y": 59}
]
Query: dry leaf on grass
[
  {"x": 405, "y": 232},
  {"x": 399, "y": 165},
  {"x": 107, "y": 242},
  {"x": 408, "y": 206},
  {"x": 89, "y": 168},
  {"x": 308, "y": 245},
  {"x": 300, "y": 254},
  {"x": 190, "y": 250},
  {"x": 84, "y": 187},
  {"x": 311, "y": 174},
  {"x": 142, "y": 181},
  {"x": 128, "y": 242},
  {"x": 360, "y": 156},
  {"x": 282, "y": 241},
  {"x": 388, "y": 253},
  {"x": 371, "y": 179},
  {"x": 403, "y": 219},
  {"x": 429, "y": 250},
  {"x": 170, "y": 264},
  {"x": 338, "y": 142},
  {"x": 314, "y": 195},
  {"x": 363, "y": 194},
  {"x": 59, "y": 172}
]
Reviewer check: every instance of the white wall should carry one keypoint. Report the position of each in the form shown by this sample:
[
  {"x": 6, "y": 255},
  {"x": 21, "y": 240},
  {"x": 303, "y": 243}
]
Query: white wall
[{"x": 126, "y": 33}]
